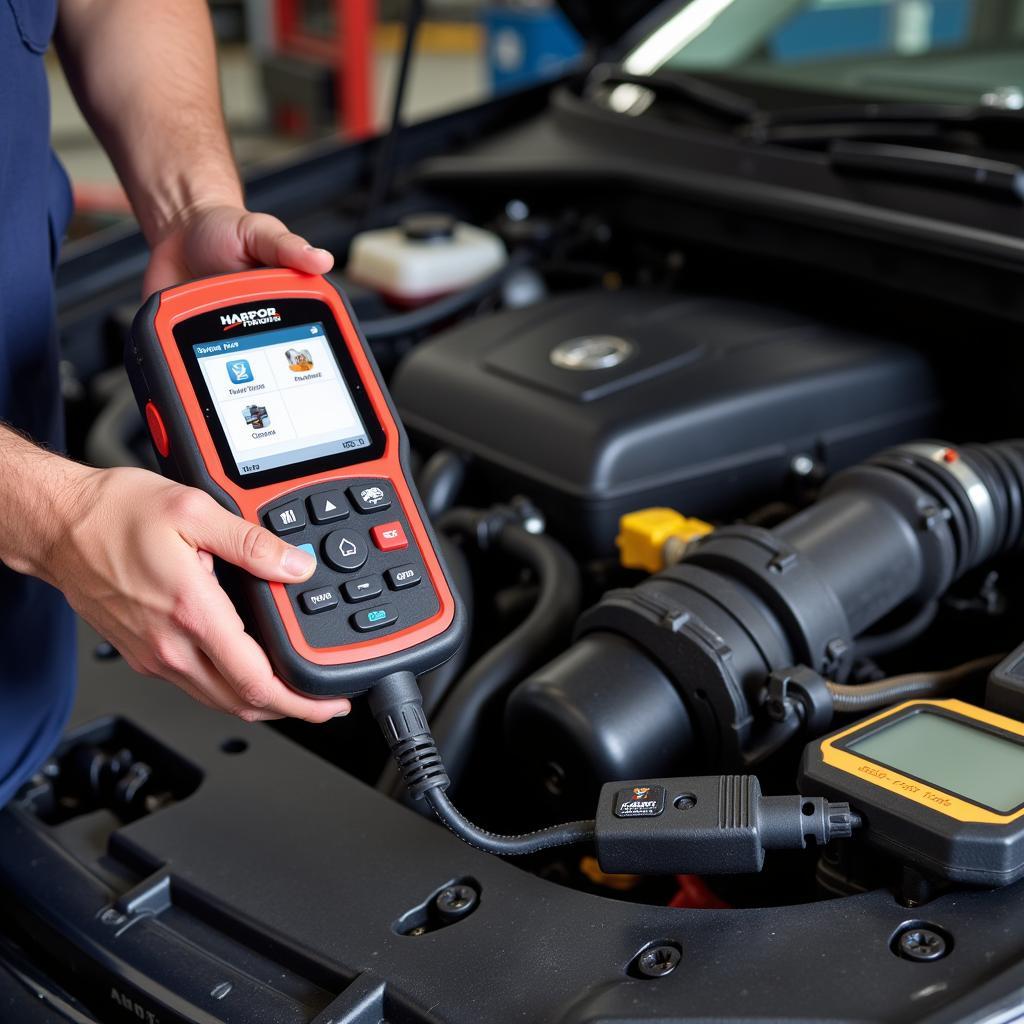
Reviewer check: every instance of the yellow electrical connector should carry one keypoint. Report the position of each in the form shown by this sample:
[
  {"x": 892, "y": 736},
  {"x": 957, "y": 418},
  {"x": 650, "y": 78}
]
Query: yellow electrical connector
[{"x": 651, "y": 538}]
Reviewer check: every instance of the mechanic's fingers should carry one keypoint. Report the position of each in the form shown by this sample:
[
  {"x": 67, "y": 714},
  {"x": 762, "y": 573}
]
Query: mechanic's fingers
[
  {"x": 179, "y": 662},
  {"x": 226, "y": 701},
  {"x": 221, "y": 533},
  {"x": 241, "y": 661},
  {"x": 269, "y": 242}
]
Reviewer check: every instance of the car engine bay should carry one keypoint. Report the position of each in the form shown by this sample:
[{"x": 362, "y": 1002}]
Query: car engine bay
[{"x": 702, "y": 514}]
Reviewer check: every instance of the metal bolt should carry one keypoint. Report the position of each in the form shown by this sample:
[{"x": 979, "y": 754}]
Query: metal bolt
[
  {"x": 554, "y": 778},
  {"x": 456, "y": 901},
  {"x": 418, "y": 931},
  {"x": 922, "y": 944},
  {"x": 112, "y": 917},
  {"x": 658, "y": 961}
]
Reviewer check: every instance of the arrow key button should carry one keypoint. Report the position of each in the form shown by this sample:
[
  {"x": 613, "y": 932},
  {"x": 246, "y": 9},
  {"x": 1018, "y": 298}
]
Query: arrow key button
[{"x": 327, "y": 506}]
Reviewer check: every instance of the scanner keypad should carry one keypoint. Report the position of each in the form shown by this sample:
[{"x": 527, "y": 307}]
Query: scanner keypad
[{"x": 370, "y": 578}]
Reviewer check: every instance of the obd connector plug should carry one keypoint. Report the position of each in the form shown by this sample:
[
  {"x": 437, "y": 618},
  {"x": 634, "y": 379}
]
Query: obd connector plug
[{"x": 712, "y": 825}]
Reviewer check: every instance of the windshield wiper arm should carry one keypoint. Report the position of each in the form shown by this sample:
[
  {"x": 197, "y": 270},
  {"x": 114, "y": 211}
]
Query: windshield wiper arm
[
  {"x": 813, "y": 125},
  {"x": 692, "y": 91},
  {"x": 932, "y": 166}
]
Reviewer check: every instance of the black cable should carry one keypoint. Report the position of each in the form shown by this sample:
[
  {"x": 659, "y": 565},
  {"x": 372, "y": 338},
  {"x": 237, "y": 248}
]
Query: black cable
[
  {"x": 397, "y": 706},
  {"x": 507, "y": 846},
  {"x": 389, "y": 143},
  {"x": 434, "y": 685}
]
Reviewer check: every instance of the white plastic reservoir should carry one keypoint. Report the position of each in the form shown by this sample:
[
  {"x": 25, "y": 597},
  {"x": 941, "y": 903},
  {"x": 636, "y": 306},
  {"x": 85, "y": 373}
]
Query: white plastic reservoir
[{"x": 424, "y": 257}]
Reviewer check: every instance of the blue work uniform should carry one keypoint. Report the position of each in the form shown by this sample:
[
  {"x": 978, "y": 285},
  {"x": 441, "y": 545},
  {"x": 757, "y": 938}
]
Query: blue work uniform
[{"x": 37, "y": 628}]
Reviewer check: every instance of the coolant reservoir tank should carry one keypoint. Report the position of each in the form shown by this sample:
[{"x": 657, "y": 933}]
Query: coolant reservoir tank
[{"x": 426, "y": 256}]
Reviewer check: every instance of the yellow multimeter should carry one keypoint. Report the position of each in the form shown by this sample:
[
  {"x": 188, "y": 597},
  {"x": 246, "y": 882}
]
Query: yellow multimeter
[{"x": 938, "y": 783}]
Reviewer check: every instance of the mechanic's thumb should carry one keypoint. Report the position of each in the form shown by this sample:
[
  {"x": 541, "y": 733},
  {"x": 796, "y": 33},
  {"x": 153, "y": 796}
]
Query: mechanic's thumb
[{"x": 254, "y": 549}]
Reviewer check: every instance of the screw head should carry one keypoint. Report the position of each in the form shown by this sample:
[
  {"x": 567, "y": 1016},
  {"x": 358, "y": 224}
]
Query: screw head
[
  {"x": 922, "y": 944},
  {"x": 658, "y": 961},
  {"x": 554, "y": 778},
  {"x": 456, "y": 901}
]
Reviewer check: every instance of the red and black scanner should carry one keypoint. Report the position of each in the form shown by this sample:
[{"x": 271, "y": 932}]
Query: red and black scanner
[{"x": 259, "y": 389}]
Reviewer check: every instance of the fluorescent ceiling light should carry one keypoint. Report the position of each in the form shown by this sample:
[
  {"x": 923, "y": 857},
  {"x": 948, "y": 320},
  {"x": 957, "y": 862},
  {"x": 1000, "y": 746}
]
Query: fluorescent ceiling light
[{"x": 679, "y": 30}]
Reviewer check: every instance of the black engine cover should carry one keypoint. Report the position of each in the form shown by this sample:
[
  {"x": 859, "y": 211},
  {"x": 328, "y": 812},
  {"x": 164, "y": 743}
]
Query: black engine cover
[{"x": 598, "y": 403}]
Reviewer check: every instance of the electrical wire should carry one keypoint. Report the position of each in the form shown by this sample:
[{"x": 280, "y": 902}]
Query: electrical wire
[
  {"x": 880, "y": 694},
  {"x": 397, "y": 706},
  {"x": 507, "y": 846}
]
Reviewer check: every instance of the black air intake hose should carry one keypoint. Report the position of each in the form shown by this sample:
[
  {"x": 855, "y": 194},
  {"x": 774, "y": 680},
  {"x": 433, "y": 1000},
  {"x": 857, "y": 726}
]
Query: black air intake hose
[{"x": 703, "y": 637}]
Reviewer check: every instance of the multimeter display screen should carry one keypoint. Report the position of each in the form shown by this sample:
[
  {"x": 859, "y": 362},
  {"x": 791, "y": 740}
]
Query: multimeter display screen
[
  {"x": 968, "y": 761},
  {"x": 280, "y": 397}
]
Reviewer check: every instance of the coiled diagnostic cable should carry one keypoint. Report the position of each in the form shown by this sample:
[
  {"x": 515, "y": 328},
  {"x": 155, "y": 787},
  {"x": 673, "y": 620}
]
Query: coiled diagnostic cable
[
  {"x": 644, "y": 843},
  {"x": 397, "y": 705}
]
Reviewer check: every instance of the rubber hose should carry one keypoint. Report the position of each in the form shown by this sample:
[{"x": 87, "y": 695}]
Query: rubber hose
[
  {"x": 507, "y": 846},
  {"x": 534, "y": 640},
  {"x": 440, "y": 480},
  {"x": 434, "y": 685},
  {"x": 872, "y": 644},
  {"x": 427, "y": 316},
  {"x": 869, "y": 696}
]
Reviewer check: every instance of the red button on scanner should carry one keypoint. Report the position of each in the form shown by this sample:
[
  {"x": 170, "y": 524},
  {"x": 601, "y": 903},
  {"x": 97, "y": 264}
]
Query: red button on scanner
[
  {"x": 389, "y": 537},
  {"x": 157, "y": 430}
]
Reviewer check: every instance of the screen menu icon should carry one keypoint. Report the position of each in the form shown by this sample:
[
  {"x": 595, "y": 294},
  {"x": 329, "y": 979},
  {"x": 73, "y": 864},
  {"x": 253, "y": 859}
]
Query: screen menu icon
[
  {"x": 239, "y": 371},
  {"x": 256, "y": 416},
  {"x": 299, "y": 360}
]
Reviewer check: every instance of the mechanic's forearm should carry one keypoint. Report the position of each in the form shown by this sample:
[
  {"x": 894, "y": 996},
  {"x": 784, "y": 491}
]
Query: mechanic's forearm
[
  {"x": 145, "y": 75},
  {"x": 38, "y": 493}
]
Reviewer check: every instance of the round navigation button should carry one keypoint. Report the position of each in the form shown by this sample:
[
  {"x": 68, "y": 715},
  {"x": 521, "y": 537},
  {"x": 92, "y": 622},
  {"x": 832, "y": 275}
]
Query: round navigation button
[{"x": 345, "y": 550}]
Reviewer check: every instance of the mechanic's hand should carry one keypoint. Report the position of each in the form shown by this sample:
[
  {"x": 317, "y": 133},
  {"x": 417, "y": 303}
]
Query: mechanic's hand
[
  {"x": 134, "y": 560},
  {"x": 220, "y": 238}
]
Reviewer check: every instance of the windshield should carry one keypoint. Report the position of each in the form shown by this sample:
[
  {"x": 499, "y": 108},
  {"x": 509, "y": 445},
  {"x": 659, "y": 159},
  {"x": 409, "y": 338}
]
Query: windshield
[{"x": 958, "y": 51}]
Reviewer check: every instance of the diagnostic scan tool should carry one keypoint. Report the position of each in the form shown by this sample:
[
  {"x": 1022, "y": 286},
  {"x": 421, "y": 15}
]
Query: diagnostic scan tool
[
  {"x": 938, "y": 783},
  {"x": 259, "y": 389}
]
